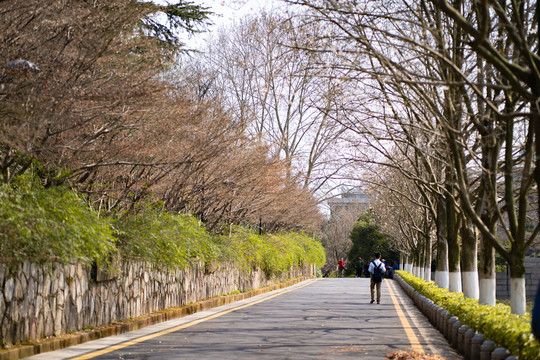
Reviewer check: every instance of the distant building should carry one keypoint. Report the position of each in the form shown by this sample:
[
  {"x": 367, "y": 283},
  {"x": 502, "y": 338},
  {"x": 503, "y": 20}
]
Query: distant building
[{"x": 352, "y": 201}]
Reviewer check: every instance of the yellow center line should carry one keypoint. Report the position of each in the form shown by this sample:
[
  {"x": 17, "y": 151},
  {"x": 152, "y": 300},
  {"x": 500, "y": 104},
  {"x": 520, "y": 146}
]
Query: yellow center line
[
  {"x": 415, "y": 344},
  {"x": 180, "y": 327}
]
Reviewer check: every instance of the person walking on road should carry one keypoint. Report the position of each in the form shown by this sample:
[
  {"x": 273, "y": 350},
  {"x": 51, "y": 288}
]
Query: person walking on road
[
  {"x": 341, "y": 267},
  {"x": 359, "y": 267},
  {"x": 377, "y": 269}
]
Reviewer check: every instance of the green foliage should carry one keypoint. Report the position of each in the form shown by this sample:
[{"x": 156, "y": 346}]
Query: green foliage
[
  {"x": 366, "y": 239},
  {"x": 50, "y": 224},
  {"x": 244, "y": 247},
  {"x": 296, "y": 249},
  {"x": 164, "y": 239},
  {"x": 274, "y": 254},
  {"x": 43, "y": 224},
  {"x": 497, "y": 323}
]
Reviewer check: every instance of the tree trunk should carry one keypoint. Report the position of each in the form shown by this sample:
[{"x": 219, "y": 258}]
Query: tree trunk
[
  {"x": 441, "y": 274},
  {"x": 422, "y": 260},
  {"x": 416, "y": 265},
  {"x": 518, "y": 300},
  {"x": 408, "y": 264},
  {"x": 427, "y": 257},
  {"x": 470, "y": 263},
  {"x": 454, "y": 275},
  {"x": 487, "y": 273}
]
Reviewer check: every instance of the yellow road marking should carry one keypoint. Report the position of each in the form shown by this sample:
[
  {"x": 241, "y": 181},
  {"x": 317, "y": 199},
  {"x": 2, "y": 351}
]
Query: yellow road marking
[
  {"x": 180, "y": 327},
  {"x": 415, "y": 344}
]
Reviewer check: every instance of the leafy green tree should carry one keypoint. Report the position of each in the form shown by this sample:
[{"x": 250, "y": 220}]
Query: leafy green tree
[{"x": 367, "y": 238}]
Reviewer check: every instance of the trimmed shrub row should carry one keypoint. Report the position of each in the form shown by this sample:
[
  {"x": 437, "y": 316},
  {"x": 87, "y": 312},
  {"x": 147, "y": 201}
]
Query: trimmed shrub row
[
  {"x": 54, "y": 224},
  {"x": 495, "y": 323}
]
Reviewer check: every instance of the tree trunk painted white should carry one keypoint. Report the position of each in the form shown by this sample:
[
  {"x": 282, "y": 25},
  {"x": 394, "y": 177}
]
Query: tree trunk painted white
[
  {"x": 488, "y": 280},
  {"x": 441, "y": 279},
  {"x": 454, "y": 284},
  {"x": 471, "y": 288},
  {"x": 517, "y": 296},
  {"x": 469, "y": 256},
  {"x": 441, "y": 272},
  {"x": 421, "y": 273},
  {"x": 488, "y": 291},
  {"x": 409, "y": 268},
  {"x": 427, "y": 274}
]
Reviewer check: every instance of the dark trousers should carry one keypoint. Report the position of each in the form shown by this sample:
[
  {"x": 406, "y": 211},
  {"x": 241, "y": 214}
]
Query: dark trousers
[{"x": 374, "y": 285}]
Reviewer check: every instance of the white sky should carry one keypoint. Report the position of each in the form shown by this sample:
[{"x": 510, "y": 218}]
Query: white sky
[{"x": 228, "y": 10}]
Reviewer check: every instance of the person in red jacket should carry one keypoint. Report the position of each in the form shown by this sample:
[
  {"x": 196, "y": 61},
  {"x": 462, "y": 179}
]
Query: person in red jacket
[{"x": 341, "y": 266}]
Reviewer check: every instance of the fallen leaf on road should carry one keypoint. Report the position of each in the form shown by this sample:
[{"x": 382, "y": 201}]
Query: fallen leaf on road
[
  {"x": 411, "y": 355},
  {"x": 340, "y": 349}
]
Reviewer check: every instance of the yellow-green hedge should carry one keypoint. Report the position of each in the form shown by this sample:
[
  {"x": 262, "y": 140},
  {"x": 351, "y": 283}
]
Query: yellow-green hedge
[
  {"x": 53, "y": 224},
  {"x": 497, "y": 323}
]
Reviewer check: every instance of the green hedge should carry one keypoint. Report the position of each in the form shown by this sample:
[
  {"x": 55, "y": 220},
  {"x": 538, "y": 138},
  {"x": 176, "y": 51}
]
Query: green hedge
[
  {"x": 164, "y": 239},
  {"x": 497, "y": 323},
  {"x": 274, "y": 254},
  {"x": 41, "y": 225},
  {"x": 50, "y": 225}
]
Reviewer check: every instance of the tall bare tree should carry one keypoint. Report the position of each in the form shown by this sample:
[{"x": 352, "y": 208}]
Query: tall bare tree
[{"x": 285, "y": 97}]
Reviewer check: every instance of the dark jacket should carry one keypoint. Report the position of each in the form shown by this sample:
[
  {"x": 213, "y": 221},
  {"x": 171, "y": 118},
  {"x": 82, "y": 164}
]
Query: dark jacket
[{"x": 536, "y": 314}]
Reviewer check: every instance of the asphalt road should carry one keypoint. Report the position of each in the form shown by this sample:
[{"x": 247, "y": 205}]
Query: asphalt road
[{"x": 316, "y": 319}]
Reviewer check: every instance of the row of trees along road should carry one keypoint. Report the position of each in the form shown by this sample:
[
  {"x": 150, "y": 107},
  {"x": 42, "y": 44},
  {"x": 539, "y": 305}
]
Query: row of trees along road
[
  {"x": 91, "y": 97},
  {"x": 451, "y": 112},
  {"x": 436, "y": 100}
]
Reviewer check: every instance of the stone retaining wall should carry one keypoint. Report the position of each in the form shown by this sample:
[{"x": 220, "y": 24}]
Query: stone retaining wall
[{"x": 38, "y": 302}]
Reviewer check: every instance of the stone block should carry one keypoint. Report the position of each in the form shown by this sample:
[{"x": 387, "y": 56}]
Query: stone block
[
  {"x": 30, "y": 292},
  {"x": 499, "y": 354},
  {"x": 46, "y": 286},
  {"x": 9, "y": 287},
  {"x": 469, "y": 334},
  {"x": 39, "y": 306},
  {"x": 48, "y": 329},
  {"x": 25, "y": 268},
  {"x": 461, "y": 338},
  {"x": 2, "y": 313},
  {"x": 34, "y": 274},
  {"x": 485, "y": 350},
  {"x": 455, "y": 334}
]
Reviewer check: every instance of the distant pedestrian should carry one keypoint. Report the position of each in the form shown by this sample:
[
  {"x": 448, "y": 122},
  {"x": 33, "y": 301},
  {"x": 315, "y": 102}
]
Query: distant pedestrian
[
  {"x": 395, "y": 267},
  {"x": 366, "y": 270},
  {"x": 341, "y": 267},
  {"x": 535, "y": 324},
  {"x": 377, "y": 269},
  {"x": 387, "y": 273},
  {"x": 359, "y": 267}
]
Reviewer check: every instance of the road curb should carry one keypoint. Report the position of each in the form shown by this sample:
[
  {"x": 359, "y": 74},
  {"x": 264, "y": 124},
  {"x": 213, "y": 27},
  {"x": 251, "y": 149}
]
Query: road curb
[{"x": 64, "y": 341}]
